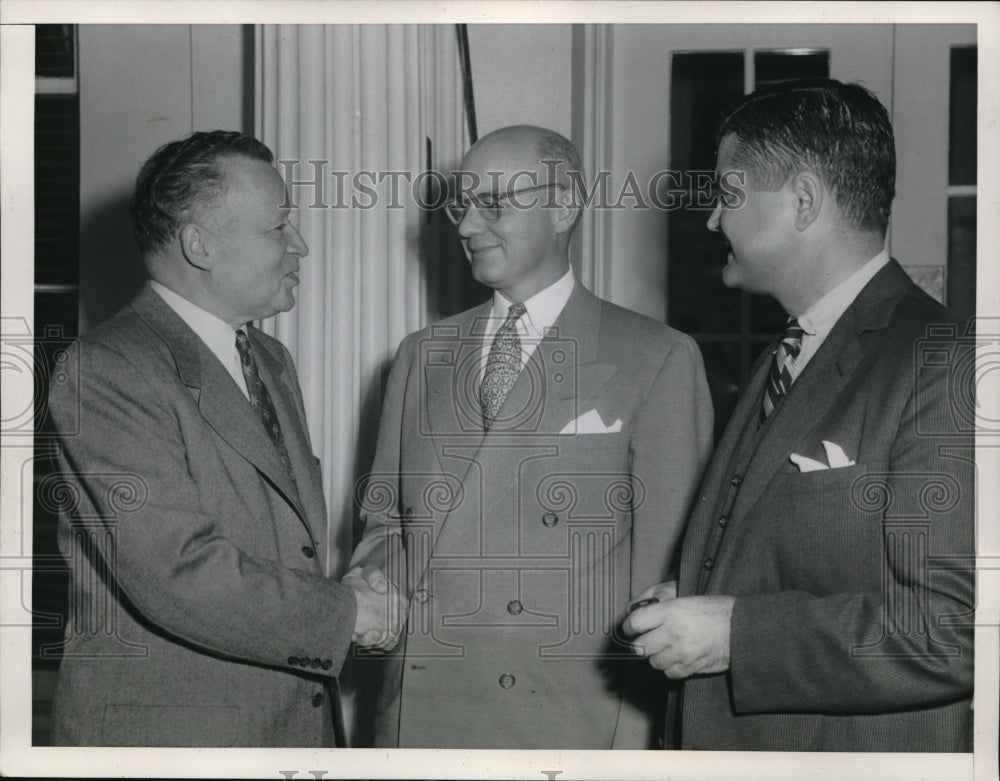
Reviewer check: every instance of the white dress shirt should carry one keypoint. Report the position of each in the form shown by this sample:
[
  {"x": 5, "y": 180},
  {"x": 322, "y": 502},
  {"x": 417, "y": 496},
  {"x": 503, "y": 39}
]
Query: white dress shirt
[
  {"x": 819, "y": 319},
  {"x": 218, "y": 335},
  {"x": 542, "y": 309}
]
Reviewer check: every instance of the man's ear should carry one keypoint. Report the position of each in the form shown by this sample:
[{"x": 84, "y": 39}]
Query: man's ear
[
  {"x": 809, "y": 192},
  {"x": 567, "y": 212},
  {"x": 194, "y": 246}
]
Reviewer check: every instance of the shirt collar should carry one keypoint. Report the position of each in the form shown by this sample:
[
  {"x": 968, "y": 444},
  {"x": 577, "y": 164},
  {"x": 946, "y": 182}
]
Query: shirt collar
[
  {"x": 218, "y": 335},
  {"x": 824, "y": 314},
  {"x": 542, "y": 309}
]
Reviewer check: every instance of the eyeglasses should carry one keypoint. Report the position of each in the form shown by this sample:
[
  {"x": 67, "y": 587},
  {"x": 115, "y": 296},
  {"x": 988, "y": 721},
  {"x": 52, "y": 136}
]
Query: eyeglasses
[{"x": 490, "y": 206}]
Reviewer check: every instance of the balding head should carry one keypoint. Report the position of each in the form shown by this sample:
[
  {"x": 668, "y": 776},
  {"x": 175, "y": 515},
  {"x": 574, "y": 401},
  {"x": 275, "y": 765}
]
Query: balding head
[
  {"x": 529, "y": 148},
  {"x": 514, "y": 208}
]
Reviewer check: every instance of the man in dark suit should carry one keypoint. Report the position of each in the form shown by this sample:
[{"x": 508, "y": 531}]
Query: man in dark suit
[
  {"x": 826, "y": 585},
  {"x": 536, "y": 457},
  {"x": 202, "y": 611}
]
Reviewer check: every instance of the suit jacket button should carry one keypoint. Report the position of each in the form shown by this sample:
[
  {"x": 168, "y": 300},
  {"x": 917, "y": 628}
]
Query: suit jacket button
[
  {"x": 550, "y": 519},
  {"x": 315, "y": 663},
  {"x": 308, "y": 552},
  {"x": 709, "y": 563},
  {"x": 514, "y": 607},
  {"x": 293, "y": 661},
  {"x": 317, "y": 700},
  {"x": 723, "y": 520},
  {"x": 421, "y": 595},
  {"x": 506, "y": 681},
  {"x": 327, "y": 664},
  {"x": 737, "y": 479}
]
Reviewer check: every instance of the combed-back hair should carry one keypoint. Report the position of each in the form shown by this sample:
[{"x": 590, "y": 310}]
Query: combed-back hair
[
  {"x": 839, "y": 131},
  {"x": 183, "y": 177}
]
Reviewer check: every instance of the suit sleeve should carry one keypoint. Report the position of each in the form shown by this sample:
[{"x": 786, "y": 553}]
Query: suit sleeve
[
  {"x": 670, "y": 445},
  {"x": 171, "y": 559},
  {"x": 381, "y": 544},
  {"x": 871, "y": 652}
]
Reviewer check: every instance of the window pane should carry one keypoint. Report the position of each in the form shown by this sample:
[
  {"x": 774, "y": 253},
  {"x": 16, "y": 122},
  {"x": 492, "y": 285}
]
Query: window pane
[
  {"x": 771, "y": 67},
  {"x": 704, "y": 87},
  {"x": 722, "y": 367},
  {"x": 57, "y": 189},
  {"x": 962, "y": 256},
  {"x": 962, "y": 147},
  {"x": 55, "y": 325},
  {"x": 55, "y": 54}
]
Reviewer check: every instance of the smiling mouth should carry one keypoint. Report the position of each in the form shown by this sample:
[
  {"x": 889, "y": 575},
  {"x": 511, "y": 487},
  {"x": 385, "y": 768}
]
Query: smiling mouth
[{"x": 481, "y": 248}]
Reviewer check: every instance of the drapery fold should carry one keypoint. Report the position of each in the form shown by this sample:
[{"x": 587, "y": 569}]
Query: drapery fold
[{"x": 354, "y": 114}]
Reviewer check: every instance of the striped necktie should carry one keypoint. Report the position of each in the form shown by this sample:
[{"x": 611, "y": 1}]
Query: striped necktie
[
  {"x": 502, "y": 366},
  {"x": 779, "y": 378},
  {"x": 260, "y": 399}
]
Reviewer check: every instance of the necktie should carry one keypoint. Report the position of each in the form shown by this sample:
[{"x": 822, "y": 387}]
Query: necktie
[
  {"x": 779, "y": 379},
  {"x": 502, "y": 366},
  {"x": 260, "y": 399}
]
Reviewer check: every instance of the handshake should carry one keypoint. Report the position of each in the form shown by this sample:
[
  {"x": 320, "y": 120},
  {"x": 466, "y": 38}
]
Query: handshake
[{"x": 381, "y": 609}]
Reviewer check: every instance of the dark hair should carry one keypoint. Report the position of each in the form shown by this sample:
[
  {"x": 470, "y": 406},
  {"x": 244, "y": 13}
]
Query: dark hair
[
  {"x": 182, "y": 177},
  {"x": 840, "y": 131}
]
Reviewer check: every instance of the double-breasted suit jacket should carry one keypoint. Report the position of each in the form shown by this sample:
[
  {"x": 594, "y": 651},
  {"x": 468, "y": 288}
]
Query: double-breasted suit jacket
[
  {"x": 520, "y": 548},
  {"x": 854, "y": 585},
  {"x": 201, "y": 614}
]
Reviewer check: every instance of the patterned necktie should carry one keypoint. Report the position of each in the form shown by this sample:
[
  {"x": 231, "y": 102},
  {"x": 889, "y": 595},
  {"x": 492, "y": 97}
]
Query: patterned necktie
[
  {"x": 779, "y": 379},
  {"x": 260, "y": 399},
  {"x": 502, "y": 366}
]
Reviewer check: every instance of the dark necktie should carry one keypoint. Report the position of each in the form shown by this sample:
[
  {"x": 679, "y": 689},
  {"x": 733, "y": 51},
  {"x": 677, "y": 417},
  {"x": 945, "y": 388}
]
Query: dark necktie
[
  {"x": 779, "y": 379},
  {"x": 502, "y": 366},
  {"x": 260, "y": 399}
]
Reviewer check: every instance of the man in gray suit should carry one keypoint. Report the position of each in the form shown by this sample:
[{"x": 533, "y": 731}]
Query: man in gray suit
[
  {"x": 826, "y": 584},
  {"x": 202, "y": 611},
  {"x": 536, "y": 458}
]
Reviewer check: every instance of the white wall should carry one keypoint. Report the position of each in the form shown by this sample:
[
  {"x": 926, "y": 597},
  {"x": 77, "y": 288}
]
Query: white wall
[
  {"x": 522, "y": 74},
  {"x": 141, "y": 86}
]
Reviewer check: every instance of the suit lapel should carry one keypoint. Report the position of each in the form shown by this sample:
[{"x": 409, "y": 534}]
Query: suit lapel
[
  {"x": 282, "y": 390},
  {"x": 450, "y": 359},
  {"x": 560, "y": 378},
  {"x": 817, "y": 387},
  {"x": 563, "y": 373},
  {"x": 219, "y": 399},
  {"x": 820, "y": 383}
]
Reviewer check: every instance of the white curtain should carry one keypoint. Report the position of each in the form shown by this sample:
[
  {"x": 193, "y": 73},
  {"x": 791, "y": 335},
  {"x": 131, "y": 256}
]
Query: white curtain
[{"x": 361, "y": 101}]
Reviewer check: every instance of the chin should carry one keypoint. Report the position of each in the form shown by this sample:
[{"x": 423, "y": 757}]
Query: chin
[
  {"x": 730, "y": 275},
  {"x": 483, "y": 277}
]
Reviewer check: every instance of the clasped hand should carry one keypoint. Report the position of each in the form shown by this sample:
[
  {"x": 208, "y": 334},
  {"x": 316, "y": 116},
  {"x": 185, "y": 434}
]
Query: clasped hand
[
  {"x": 381, "y": 608},
  {"x": 683, "y": 636}
]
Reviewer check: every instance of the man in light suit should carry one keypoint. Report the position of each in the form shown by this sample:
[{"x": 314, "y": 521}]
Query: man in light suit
[
  {"x": 536, "y": 457},
  {"x": 202, "y": 611},
  {"x": 826, "y": 583}
]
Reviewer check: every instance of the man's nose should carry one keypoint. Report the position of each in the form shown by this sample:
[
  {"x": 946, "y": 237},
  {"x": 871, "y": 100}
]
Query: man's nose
[
  {"x": 471, "y": 222},
  {"x": 714, "y": 217},
  {"x": 296, "y": 244}
]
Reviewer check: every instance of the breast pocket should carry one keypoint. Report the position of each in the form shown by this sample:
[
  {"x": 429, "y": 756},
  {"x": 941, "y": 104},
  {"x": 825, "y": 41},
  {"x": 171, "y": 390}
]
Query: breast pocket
[{"x": 830, "y": 541}]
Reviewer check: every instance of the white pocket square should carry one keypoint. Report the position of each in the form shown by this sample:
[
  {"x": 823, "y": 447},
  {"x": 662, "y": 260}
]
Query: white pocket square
[
  {"x": 591, "y": 423},
  {"x": 834, "y": 455}
]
